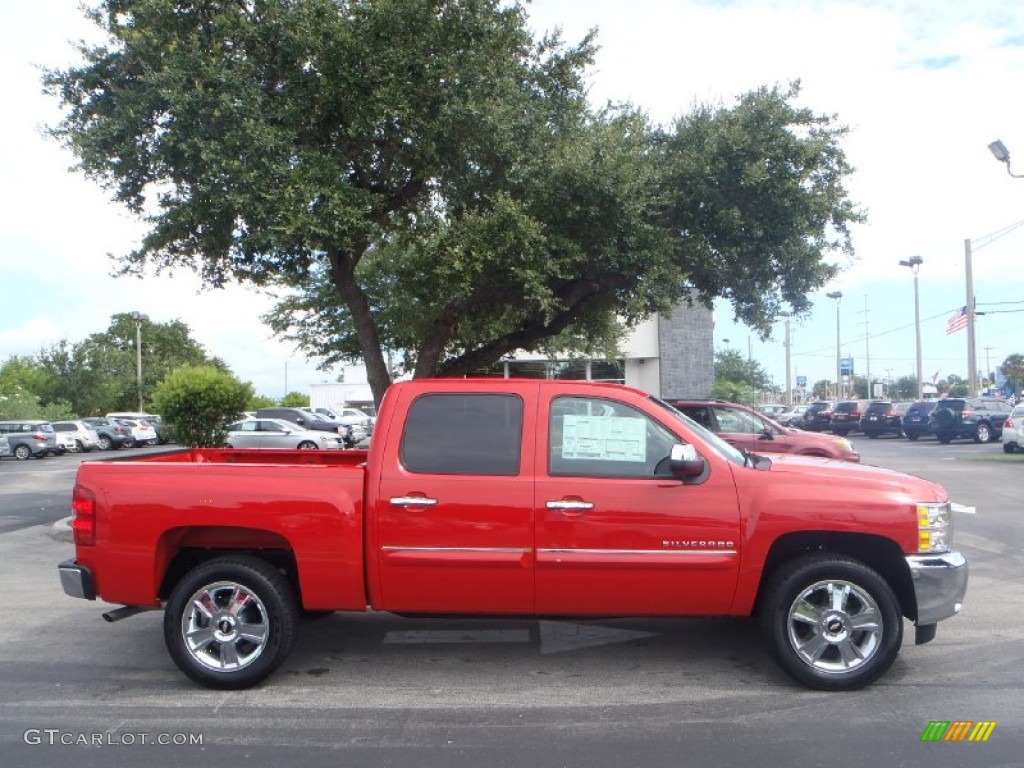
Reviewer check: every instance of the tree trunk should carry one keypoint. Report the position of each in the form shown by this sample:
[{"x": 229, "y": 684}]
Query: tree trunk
[{"x": 343, "y": 266}]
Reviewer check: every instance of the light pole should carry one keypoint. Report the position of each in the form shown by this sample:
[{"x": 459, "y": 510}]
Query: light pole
[
  {"x": 914, "y": 262},
  {"x": 837, "y": 295},
  {"x": 138, "y": 317}
]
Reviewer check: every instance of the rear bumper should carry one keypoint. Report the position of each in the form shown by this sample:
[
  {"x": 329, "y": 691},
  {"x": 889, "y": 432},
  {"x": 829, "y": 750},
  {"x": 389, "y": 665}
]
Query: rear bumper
[
  {"x": 76, "y": 580},
  {"x": 940, "y": 583}
]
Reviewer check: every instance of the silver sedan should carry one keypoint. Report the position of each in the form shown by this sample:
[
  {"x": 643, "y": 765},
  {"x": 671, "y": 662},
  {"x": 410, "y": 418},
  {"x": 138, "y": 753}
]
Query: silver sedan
[{"x": 275, "y": 433}]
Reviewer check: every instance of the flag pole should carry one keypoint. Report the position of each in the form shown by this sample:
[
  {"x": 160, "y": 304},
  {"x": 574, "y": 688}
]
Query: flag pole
[{"x": 972, "y": 361}]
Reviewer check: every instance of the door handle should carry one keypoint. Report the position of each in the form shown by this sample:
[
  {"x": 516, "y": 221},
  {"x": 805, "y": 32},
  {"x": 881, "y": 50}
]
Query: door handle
[
  {"x": 577, "y": 506},
  {"x": 412, "y": 501}
]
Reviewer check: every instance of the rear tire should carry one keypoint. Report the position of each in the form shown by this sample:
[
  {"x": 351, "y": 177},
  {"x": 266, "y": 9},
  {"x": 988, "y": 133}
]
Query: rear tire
[
  {"x": 231, "y": 621},
  {"x": 105, "y": 443},
  {"x": 308, "y": 445},
  {"x": 22, "y": 452},
  {"x": 833, "y": 623}
]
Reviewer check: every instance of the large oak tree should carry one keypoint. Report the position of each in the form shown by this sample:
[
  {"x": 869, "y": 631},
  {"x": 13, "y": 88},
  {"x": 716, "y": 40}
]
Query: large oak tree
[{"x": 425, "y": 176}]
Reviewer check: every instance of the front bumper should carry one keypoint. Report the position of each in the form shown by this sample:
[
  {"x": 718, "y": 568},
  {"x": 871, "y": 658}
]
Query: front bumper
[
  {"x": 76, "y": 580},
  {"x": 940, "y": 583}
]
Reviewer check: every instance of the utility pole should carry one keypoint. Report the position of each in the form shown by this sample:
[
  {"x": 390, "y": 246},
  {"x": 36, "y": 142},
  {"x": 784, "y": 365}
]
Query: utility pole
[{"x": 867, "y": 346}]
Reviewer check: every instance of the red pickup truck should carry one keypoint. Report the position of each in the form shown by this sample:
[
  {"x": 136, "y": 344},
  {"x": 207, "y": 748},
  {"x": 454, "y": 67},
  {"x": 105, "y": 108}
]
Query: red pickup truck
[{"x": 517, "y": 497}]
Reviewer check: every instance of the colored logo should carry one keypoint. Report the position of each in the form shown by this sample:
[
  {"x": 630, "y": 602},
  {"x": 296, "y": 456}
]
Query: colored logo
[{"x": 958, "y": 730}]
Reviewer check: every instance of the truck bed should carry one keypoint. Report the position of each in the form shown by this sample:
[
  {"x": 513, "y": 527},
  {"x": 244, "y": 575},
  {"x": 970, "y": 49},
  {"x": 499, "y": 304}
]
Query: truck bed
[{"x": 350, "y": 458}]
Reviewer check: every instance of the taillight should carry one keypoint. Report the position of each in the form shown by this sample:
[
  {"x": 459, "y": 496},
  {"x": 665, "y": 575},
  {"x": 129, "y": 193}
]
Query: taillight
[
  {"x": 83, "y": 516},
  {"x": 967, "y": 413},
  {"x": 1008, "y": 424},
  {"x": 39, "y": 436}
]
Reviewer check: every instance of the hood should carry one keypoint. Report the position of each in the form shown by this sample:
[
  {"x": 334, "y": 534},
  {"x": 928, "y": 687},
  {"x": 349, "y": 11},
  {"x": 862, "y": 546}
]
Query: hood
[{"x": 838, "y": 475}]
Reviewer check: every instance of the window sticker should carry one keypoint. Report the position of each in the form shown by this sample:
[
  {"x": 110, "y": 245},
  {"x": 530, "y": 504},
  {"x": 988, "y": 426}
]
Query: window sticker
[{"x": 604, "y": 438}]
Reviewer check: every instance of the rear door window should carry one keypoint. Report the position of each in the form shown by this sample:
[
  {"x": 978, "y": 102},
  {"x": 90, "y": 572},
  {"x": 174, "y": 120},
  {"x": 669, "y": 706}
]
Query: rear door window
[{"x": 463, "y": 434}]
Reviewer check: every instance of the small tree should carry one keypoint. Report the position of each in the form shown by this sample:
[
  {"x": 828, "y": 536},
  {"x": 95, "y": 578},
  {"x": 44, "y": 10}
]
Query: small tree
[
  {"x": 295, "y": 400},
  {"x": 198, "y": 401},
  {"x": 1013, "y": 369}
]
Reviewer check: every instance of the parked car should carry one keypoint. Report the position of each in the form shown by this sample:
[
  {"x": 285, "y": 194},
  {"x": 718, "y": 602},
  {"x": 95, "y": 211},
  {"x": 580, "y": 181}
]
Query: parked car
[
  {"x": 977, "y": 418},
  {"x": 65, "y": 443},
  {"x": 915, "y": 421},
  {"x": 883, "y": 417},
  {"x": 817, "y": 417},
  {"x": 162, "y": 434},
  {"x": 846, "y": 416},
  {"x": 110, "y": 434},
  {"x": 142, "y": 432},
  {"x": 30, "y": 438},
  {"x": 1013, "y": 430},
  {"x": 749, "y": 430},
  {"x": 793, "y": 416},
  {"x": 771, "y": 410},
  {"x": 352, "y": 417},
  {"x": 308, "y": 420},
  {"x": 277, "y": 433},
  {"x": 83, "y": 437}
]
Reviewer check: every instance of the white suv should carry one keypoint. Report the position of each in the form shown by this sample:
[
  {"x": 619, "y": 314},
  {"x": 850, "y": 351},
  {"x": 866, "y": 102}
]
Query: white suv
[
  {"x": 1013, "y": 431},
  {"x": 77, "y": 435}
]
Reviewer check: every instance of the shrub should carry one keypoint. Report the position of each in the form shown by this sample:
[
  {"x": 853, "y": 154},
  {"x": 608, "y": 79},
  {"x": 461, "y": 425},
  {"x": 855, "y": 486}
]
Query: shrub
[{"x": 197, "y": 401}]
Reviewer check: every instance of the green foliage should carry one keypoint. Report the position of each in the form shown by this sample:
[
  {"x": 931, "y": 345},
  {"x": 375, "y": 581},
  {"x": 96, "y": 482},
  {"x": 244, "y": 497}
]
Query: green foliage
[
  {"x": 1013, "y": 369},
  {"x": 733, "y": 391},
  {"x": 295, "y": 400},
  {"x": 730, "y": 365},
  {"x": 99, "y": 374},
  {"x": 23, "y": 405},
  {"x": 261, "y": 401},
  {"x": 196, "y": 402},
  {"x": 426, "y": 178}
]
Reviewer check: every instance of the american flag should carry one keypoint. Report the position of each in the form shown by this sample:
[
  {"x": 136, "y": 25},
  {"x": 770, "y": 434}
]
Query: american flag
[{"x": 957, "y": 321}]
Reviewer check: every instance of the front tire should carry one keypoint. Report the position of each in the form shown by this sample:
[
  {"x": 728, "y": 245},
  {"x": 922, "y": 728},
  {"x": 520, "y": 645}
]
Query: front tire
[
  {"x": 231, "y": 621},
  {"x": 308, "y": 445},
  {"x": 833, "y": 623},
  {"x": 105, "y": 443}
]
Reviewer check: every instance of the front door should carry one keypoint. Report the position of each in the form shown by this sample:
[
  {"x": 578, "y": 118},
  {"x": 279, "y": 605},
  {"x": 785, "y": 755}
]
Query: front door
[{"x": 616, "y": 534}]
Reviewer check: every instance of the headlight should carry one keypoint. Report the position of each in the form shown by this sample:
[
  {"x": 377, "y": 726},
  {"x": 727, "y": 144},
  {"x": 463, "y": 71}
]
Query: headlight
[
  {"x": 843, "y": 443},
  {"x": 934, "y": 527}
]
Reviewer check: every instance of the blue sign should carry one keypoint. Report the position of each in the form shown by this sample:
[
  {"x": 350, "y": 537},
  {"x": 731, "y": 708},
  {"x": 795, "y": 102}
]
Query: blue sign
[
  {"x": 801, "y": 381},
  {"x": 846, "y": 366}
]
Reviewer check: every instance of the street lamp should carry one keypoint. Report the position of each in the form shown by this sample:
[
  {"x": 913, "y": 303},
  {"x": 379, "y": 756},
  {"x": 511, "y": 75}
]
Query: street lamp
[
  {"x": 1002, "y": 154},
  {"x": 837, "y": 295},
  {"x": 914, "y": 262},
  {"x": 138, "y": 317}
]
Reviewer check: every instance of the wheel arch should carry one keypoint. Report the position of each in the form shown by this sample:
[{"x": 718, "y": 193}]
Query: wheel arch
[
  {"x": 877, "y": 552},
  {"x": 182, "y": 549}
]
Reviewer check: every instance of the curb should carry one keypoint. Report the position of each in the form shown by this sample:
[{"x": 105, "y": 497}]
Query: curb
[{"x": 61, "y": 530}]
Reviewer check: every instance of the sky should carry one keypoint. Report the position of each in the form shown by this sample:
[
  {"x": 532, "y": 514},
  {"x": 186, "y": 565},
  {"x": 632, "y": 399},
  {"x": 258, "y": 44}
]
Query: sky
[{"x": 923, "y": 86}]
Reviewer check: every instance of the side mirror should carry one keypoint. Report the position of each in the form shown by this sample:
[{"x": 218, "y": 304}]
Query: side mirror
[
  {"x": 684, "y": 461},
  {"x": 766, "y": 433}
]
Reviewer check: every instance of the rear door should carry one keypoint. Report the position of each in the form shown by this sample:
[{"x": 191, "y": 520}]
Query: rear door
[{"x": 454, "y": 506}]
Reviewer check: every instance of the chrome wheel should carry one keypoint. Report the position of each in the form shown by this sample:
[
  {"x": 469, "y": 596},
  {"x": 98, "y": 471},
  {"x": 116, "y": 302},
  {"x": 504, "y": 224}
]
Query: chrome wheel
[
  {"x": 231, "y": 621},
  {"x": 833, "y": 622},
  {"x": 225, "y": 626},
  {"x": 834, "y": 626}
]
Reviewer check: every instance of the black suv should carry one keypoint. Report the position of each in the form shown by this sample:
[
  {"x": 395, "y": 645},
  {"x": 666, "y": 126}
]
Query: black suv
[
  {"x": 846, "y": 416},
  {"x": 816, "y": 417},
  {"x": 883, "y": 417},
  {"x": 978, "y": 418},
  {"x": 915, "y": 420}
]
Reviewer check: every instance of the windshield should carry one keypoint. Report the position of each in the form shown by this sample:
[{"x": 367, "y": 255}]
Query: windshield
[{"x": 723, "y": 448}]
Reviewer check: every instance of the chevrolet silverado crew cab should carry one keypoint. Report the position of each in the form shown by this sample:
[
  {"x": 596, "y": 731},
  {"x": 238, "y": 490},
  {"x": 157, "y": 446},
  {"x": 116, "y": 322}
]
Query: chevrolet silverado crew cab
[{"x": 507, "y": 497}]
